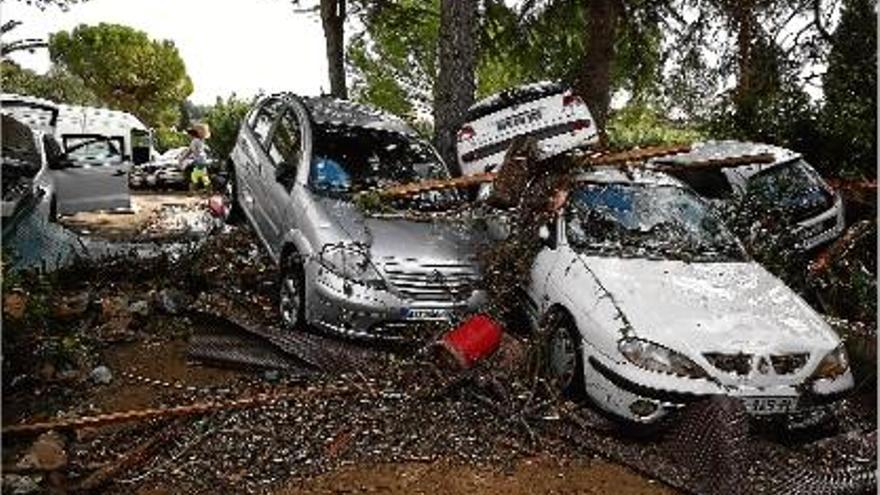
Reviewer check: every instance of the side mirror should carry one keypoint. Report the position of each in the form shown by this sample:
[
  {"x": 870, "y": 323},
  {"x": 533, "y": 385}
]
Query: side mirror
[
  {"x": 544, "y": 234},
  {"x": 60, "y": 163},
  {"x": 547, "y": 234}
]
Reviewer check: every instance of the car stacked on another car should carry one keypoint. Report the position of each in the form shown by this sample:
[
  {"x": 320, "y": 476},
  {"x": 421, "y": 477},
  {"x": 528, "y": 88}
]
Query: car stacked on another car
[
  {"x": 298, "y": 167},
  {"x": 558, "y": 120},
  {"x": 649, "y": 303},
  {"x": 788, "y": 190}
]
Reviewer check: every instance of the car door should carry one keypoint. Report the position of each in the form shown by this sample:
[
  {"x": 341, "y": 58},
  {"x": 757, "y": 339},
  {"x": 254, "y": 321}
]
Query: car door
[
  {"x": 254, "y": 158},
  {"x": 285, "y": 149},
  {"x": 91, "y": 174}
]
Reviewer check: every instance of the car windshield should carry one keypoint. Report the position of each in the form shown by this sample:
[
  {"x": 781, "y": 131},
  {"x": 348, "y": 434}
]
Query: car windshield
[
  {"x": 347, "y": 160},
  {"x": 792, "y": 185},
  {"x": 646, "y": 221}
]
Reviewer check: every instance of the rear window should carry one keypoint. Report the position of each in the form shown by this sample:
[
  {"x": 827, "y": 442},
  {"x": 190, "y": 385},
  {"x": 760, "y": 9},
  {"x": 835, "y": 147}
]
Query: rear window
[{"x": 514, "y": 96}]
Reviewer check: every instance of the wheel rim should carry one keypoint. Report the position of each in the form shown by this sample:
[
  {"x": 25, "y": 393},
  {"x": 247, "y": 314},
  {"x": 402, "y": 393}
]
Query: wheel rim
[
  {"x": 563, "y": 356},
  {"x": 290, "y": 301}
]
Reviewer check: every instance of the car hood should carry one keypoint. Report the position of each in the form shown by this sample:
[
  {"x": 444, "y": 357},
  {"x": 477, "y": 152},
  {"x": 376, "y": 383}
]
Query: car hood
[
  {"x": 711, "y": 307},
  {"x": 441, "y": 241}
]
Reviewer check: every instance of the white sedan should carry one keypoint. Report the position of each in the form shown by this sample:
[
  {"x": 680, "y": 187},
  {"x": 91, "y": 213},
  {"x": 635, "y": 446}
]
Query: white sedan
[{"x": 649, "y": 303}]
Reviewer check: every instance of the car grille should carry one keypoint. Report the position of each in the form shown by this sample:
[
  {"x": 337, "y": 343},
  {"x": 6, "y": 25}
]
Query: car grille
[
  {"x": 440, "y": 283},
  {"x": 787, "y": 364},
  {"x": 738, "y": 364},
  {"x": 741, "y": 364}
]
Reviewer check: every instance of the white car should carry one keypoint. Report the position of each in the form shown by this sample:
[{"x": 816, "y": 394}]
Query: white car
[
  {"x": 789, "y": 183},
  {"x": 649, "y": 303},
  {"x": 559, "y": 120}
]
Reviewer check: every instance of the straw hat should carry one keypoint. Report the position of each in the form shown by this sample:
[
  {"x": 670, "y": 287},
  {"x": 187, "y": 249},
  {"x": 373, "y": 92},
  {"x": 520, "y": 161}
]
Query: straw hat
[{"x": 201, "y": 130}]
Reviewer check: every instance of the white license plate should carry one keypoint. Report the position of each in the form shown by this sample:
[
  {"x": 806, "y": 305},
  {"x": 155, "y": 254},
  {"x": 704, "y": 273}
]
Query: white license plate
[
  {"x": 770, "y": 405},
  {"x": 522, "y": 118},
  {"x": 427, "y": 314}
]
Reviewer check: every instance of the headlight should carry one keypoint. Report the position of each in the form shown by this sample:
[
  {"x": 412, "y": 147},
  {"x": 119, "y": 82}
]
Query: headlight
[
  {"x": 349, "y": 261},
  {"x": 655, "y": 357},
  {"x": 834, "y": 364}
]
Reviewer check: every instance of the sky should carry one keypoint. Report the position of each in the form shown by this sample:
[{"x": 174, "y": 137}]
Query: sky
[{"x": 241, "y": 46}]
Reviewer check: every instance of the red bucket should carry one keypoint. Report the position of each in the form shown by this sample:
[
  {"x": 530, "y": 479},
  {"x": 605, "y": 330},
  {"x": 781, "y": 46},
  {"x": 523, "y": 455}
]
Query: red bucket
[{"x": 475, "y": 339}]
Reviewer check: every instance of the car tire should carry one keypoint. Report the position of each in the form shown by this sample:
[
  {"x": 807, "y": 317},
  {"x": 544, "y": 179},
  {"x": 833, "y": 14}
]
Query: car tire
[
  {"x": 563, "y": 350},
  {"x": 291, "y": 293},
  {"x": 231, "y": 191},
  {"x": 53, "y": 210}
]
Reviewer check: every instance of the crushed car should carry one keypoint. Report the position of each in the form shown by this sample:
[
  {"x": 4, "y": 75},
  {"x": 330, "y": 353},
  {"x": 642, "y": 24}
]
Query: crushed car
[
  {"x": 88, "y": 152},
  {"x": 787, "y": 196},
  {"x": 26, "y": 181},
  {"x": 550, "y": 112},
  {"x": 299, "y": 166},
  {"x": 649, "y": 303}
]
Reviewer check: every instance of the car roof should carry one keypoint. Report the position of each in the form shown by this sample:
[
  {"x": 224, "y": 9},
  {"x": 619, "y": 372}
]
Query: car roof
[
  {"x": 327, "y": 110},
  {"x": 723, "y": 149},
  {"x": 612, "y": 174}
]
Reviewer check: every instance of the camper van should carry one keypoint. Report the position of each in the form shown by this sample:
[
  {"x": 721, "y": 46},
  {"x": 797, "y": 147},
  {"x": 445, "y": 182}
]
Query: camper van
[{"x": 97, "y": 148}]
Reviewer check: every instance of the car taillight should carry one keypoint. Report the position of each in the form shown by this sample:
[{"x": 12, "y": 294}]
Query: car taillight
[
  {"x": 578, "y": 125},
  {"x": 569, "y": 99},
  {"x": 466, "y": 132}
]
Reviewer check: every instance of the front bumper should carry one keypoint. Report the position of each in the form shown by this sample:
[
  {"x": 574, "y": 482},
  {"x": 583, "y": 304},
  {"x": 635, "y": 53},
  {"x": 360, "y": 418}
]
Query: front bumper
[
  {"x": 372, "y": 311},
  {"x": 625, "y": 385},
  {"x": 822, "y": 228}
]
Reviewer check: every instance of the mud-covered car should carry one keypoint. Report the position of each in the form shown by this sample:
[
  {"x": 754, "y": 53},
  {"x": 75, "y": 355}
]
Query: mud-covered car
[
  {"x": 649, "y": 303},
  {"x": 787, "y": 197},
  {"x": 298, "y": 168}
]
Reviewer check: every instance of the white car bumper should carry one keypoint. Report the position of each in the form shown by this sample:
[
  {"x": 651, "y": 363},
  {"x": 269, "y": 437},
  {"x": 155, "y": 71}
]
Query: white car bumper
[{"x": 644, "y": 396}]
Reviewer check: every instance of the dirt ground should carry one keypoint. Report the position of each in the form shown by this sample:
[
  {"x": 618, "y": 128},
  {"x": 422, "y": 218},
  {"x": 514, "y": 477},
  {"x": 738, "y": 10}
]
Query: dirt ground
[
  {"x": 529, "y": 476},
  {"x": 126, "y": 225}
]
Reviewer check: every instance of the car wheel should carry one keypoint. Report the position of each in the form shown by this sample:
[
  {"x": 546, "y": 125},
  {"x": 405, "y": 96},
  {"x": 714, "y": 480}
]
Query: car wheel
[
  {"x": 53, "y": 210},
  {"x": 565, "y": 365},
  {"x": 231, "y": 192},
  {"x": 291, "y": 300}
]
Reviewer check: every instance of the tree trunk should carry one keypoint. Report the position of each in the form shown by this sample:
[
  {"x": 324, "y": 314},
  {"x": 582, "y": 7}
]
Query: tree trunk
[
  {"x": 454, "y": 89},
  {"x": 333, "y": 21},
  {"x": 594, "y": 82}
]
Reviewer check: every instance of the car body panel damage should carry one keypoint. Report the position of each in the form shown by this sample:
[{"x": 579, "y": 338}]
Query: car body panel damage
[
  {"x": 668, "y": 307},
  {"x": 300, "y": 164}
]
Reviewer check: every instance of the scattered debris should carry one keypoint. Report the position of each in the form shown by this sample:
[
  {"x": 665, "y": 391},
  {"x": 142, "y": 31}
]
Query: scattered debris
[
  {"x": 101, "y": 375},
  {"x": 47, "y": 453}
]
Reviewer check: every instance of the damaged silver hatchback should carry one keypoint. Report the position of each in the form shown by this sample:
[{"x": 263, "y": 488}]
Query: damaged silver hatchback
[{"x": 300, "y": 168}]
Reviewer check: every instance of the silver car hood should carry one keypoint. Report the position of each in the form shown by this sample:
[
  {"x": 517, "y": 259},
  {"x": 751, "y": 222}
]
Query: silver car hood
[
  {"x": 725, "y": 307},
  {"x": 440, "y": 241}
]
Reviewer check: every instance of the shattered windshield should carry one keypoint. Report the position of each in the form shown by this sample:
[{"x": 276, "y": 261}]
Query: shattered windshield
[
  {"x": 646, "y": 221},
  {"x": 789, "y": 186},
  {"x": 346, "y": 160}
]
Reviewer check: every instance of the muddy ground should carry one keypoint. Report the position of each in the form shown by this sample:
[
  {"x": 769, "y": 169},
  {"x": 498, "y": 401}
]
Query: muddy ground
[{"x": 352, "y": 418}]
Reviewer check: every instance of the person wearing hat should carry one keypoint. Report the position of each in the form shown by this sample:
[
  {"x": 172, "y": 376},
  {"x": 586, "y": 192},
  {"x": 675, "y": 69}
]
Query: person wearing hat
[{"x": 198, "y": 156}]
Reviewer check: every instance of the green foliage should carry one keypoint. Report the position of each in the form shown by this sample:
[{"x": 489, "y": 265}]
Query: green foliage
[
  {"x": 639, "y": 124},
  {"x": 395, "y": 57},
  {"x": 225, "y": 119},
  {"x": 57, "y": 85},
  {"x": 394, "y": 60},
  {"x": 168, "y": 137},
  {"x": 126, "y": 70},
  {"x": 849, "y": 117}
]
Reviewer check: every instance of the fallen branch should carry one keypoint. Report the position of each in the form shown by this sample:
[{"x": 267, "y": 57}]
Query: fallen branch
[
  {"x": 712, "y": 163},
  {"x": 147, "y": 414},
  {"x": 130, "y": 459}
]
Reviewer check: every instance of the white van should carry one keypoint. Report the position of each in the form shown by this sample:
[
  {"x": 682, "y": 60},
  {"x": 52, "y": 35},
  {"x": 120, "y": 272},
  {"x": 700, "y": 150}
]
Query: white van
[
  {"x": 558, "y": 119},
  {"x": 98, "y": 146}
]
